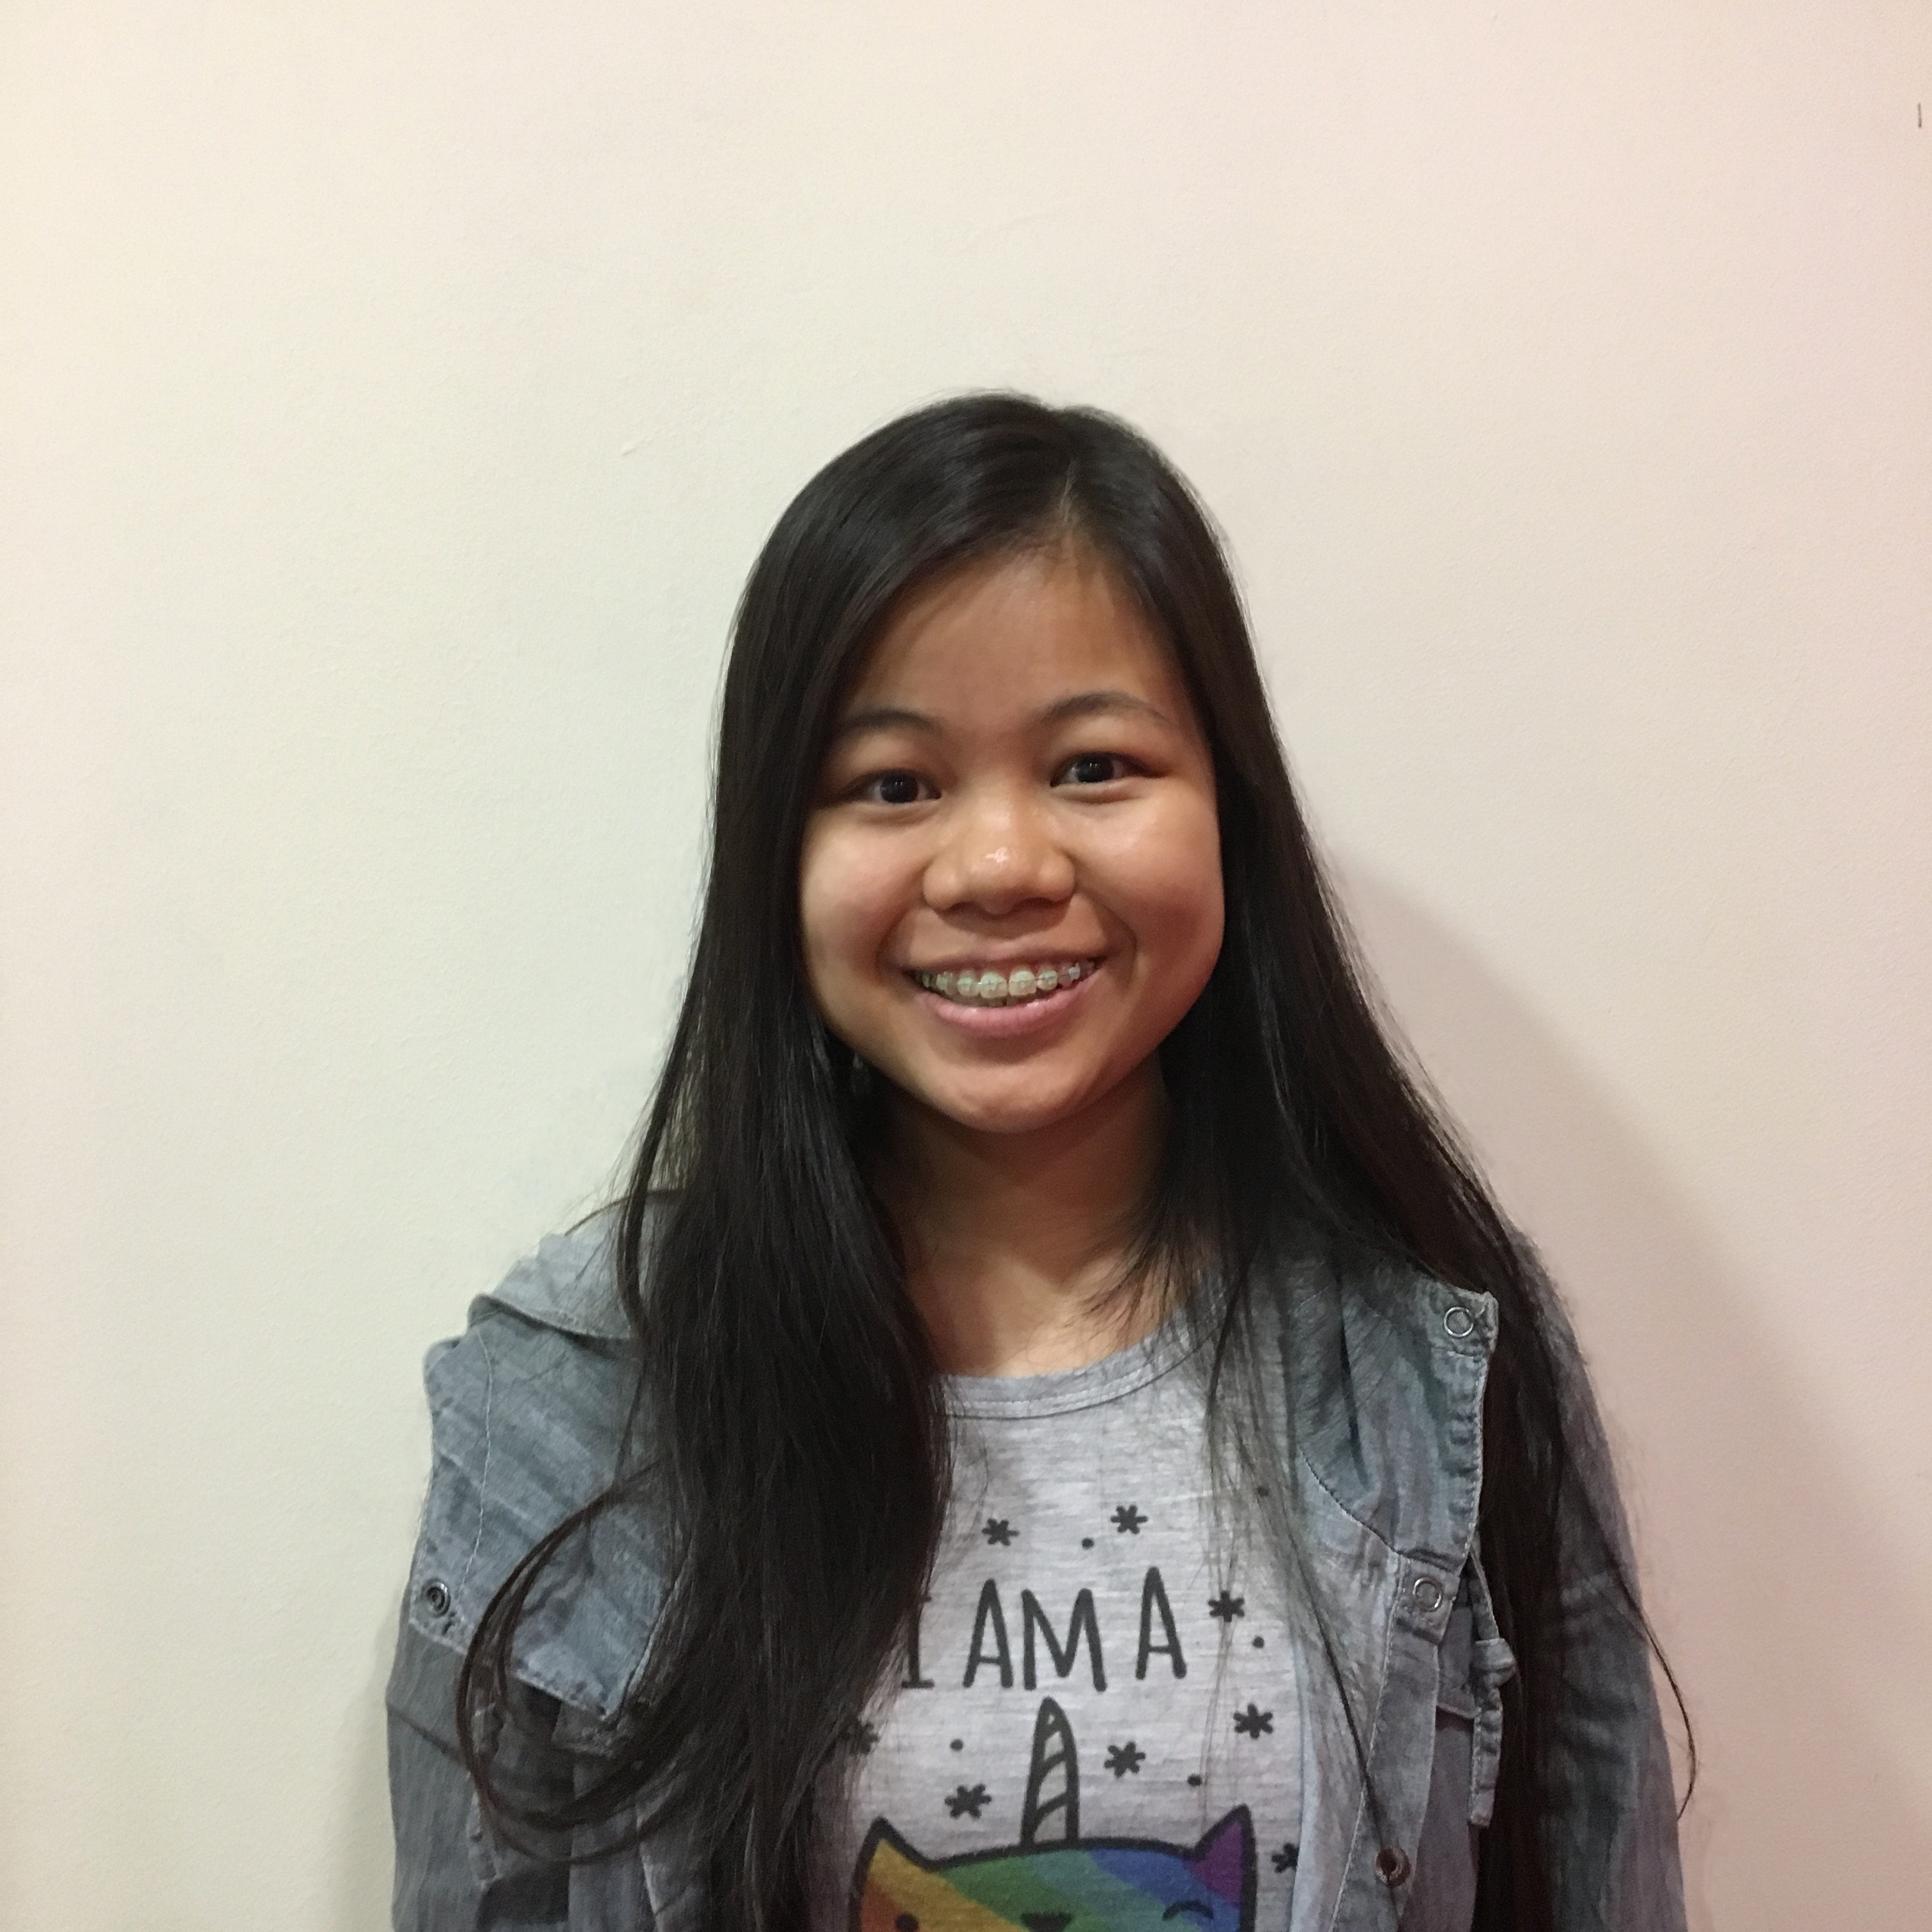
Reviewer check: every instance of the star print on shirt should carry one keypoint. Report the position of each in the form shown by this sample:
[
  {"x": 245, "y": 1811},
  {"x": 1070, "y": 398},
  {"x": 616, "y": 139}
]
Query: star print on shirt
[
  {"x": 998, "y": 1530},
  {"x": 1286, "y": 1859},
  {"x": 969, "y": 1803},
  {"x": 1128, "y": 1519},
  {"x": 1251, "y": 1722},
  {"x": 860, "y": 1736},
  {"x": 1227, "y": 1607},
  {"x": 1122, "y": 1759}
]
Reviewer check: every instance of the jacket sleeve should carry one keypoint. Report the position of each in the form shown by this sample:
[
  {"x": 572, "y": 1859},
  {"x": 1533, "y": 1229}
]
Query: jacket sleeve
[
  {"x": 524, "y": 1416},
  {"x": 1614, "y": 1832},
  {"x": 451, "y": 1875}
]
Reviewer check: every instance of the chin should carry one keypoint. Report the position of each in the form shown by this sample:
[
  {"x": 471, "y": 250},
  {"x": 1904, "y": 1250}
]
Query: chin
[
  {"x": 987, "y": 1114},
  {"x": 1008, "y": 1123}
]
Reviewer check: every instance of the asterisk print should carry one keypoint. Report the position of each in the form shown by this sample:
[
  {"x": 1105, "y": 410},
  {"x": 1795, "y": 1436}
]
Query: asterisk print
[
  {"x": 1128, "y": 1519},
  {"x": 860, "y": 1736},
  {"x": 1227, "y": 1607},
  {"x": 998, "y": 1530},
  {"x": 965, "y": 1803},
  {"x": 1286, "y": 1859},
  {"x": 1122, "y": 1759},
  {"x": 1251, "y": 1722}
]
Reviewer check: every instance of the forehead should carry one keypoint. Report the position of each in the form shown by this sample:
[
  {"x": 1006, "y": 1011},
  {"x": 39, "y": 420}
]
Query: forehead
[{"x": 1005, "y": 634}]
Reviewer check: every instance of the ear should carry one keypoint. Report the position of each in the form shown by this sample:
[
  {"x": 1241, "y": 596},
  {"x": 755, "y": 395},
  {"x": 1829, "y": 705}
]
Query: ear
[
  {"x": 1224, "y": 1860},
  {"x": 1052, "y": 1812},
  {"x": 887, "y": 1873},
  {"x": 883, "y": 1842}
]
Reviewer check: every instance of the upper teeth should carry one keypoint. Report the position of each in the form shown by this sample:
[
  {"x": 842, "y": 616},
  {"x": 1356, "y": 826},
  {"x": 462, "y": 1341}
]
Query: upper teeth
[{"x": 990, "y": 987}]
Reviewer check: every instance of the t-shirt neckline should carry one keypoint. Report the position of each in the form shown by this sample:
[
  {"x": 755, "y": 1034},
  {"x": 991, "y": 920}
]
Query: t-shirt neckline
[{"x": 1062, "y": 1391}]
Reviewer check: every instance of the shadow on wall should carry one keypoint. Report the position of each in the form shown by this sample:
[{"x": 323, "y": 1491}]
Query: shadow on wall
[
  {"x": 1774, "y": 1592},
  {"x": 1775, "y": 1595}
]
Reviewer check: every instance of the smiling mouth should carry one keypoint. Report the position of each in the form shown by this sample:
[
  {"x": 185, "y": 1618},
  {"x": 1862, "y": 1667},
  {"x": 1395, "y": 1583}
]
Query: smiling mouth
[{"x": 1025, "y": 986}]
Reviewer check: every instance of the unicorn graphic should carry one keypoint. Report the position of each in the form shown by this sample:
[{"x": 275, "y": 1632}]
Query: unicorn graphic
[{"x": 1054, "y": 1880}]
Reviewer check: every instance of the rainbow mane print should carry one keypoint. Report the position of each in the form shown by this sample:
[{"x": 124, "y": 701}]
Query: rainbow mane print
[{"x": 1061, "y": 1882}]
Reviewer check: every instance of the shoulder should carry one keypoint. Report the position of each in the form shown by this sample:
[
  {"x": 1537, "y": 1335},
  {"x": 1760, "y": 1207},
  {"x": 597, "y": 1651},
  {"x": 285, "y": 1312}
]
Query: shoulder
[
  {"x": 1378, "y": 1334},
  {"x": 528, "y": 1404},
  {"x": 528, "y": 1411},
  {"x": 1384, "y": 1367},
  {"x": 569, "y": 1286}
]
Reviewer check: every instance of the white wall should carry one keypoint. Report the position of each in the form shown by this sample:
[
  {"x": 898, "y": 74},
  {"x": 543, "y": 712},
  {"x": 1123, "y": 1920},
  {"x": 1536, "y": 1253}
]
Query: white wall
[{"x": 395, "y": 394}]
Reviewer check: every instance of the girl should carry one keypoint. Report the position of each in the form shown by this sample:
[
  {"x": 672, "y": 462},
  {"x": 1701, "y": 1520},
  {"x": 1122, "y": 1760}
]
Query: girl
[{"x": 1057, "y": 1435}]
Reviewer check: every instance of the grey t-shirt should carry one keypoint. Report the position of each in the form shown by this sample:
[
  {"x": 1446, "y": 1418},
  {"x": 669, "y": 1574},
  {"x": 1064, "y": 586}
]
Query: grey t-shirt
[{"x": 1098, "y": 1723}]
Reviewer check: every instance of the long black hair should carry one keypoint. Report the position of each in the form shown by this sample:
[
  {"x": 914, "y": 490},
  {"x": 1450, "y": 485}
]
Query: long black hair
[{"x": 789, "y": 1445}]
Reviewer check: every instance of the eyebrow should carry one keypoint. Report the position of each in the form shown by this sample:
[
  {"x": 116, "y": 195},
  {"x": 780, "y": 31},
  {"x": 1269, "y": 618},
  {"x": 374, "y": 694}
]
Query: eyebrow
[{"x": 1080, "y": 704}]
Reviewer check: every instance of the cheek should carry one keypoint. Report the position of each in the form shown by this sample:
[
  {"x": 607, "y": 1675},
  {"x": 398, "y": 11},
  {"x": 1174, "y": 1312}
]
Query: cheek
[
  {"x": 848, "y": 902},
  {"x": 1168, "y": 887}
]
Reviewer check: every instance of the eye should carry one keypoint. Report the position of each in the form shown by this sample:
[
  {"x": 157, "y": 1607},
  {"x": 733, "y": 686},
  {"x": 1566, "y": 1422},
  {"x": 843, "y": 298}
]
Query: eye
[
  {"x": 1095, "y": 768},
  {"x": 892, "y": 788}
]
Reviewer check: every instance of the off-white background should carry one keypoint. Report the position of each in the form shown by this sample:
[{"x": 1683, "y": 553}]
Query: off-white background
[{"x": 394, "y": 395}]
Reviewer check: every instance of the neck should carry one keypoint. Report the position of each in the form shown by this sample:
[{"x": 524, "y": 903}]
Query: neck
[{"x": 1013, "y": 1240}]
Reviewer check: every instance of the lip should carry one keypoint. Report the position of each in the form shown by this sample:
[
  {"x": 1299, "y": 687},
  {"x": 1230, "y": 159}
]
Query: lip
[{"x": 1029, "y": 1018}]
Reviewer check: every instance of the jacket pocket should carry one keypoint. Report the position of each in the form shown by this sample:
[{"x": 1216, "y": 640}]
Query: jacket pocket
[
  {"x": 1487, "y": 1665},
  {"x": 1443, "y": 1896}
]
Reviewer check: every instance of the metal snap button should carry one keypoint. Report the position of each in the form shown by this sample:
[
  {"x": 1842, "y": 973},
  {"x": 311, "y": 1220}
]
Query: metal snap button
[
  {"x": 1427, "y": 1593},
  {"x": 1459, "y": 1322},
  {"x": 436, "y": 1594},
  {"x": 1392, "y": 1864}
]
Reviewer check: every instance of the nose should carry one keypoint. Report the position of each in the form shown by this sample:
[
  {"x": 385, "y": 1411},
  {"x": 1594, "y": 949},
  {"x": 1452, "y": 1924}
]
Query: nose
[{"x": 1000, "y": 852}]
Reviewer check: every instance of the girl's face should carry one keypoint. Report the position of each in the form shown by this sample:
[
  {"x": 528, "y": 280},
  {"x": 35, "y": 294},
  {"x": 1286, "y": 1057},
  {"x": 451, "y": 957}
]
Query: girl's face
[{"x": 1010, "y": 887}]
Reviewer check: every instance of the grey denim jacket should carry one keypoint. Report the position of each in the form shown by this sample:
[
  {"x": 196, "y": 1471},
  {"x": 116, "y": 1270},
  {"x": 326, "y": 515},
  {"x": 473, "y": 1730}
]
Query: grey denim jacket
[{"x": 1385, "y": 1376}]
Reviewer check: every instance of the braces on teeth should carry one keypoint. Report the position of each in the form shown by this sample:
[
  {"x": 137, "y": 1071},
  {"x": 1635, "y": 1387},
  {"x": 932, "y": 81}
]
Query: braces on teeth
[{"x": 991, "y": 988}]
